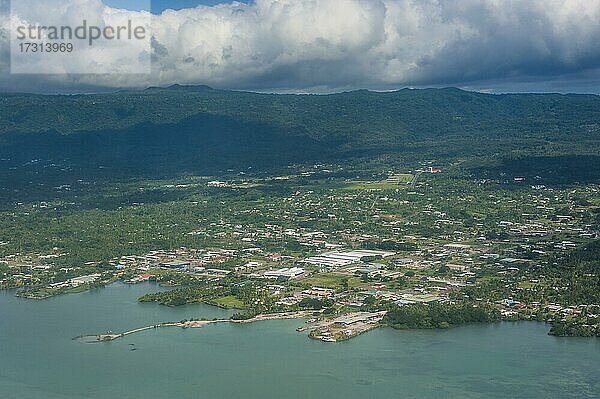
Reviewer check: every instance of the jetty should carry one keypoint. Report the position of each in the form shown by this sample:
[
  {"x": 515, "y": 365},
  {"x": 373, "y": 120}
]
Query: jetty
[
  {"x": 192, "y": 324},
  {"x": 112, "y": 337}
]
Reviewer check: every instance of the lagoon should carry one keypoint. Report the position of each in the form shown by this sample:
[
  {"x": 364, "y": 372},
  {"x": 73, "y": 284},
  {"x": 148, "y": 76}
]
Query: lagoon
[{"x": 38, "y": 358}]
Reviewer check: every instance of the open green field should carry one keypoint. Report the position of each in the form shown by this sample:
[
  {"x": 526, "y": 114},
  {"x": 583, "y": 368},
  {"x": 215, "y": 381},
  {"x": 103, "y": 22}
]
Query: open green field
[
  {"x": 229, "y": 302},
  {"x": 376, "y": 185},
  {"x": 402, "y": 178},
  {"x": 333, "y": 281}
]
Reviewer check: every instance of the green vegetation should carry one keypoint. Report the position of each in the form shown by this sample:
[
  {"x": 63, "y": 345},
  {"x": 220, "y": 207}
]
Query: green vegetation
[
  {"x": 244, "y": 183},
  {"x": 44, "y": 292},
  {"x": 229, "y": 302},
  {"x": 439, "y": 315},
  {"x": 315, "y": 304},
  {"x": 372, "y": 186},
  {"x": 227, "y": 293},
  {"x": 333, "y": 281},
  {"x": 574, "y": 328},
  {"x": 53, "y": 141}
]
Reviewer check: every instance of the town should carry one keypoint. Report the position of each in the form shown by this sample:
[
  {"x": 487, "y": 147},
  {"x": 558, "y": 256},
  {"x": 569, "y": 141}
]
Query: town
[{"x": 350, "y": 252}]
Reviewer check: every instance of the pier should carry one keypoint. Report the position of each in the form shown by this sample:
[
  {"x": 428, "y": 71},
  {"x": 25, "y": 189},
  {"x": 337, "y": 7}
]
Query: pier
[
  {"x": 111, "y": 337},
  {"x": 191, "y": 324}
]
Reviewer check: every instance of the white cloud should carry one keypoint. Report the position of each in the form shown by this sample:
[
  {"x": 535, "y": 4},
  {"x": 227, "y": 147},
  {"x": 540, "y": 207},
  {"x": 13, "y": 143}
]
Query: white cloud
[
  {"x": 299, "y": 44},
  {"x": 87, "y": 50}
]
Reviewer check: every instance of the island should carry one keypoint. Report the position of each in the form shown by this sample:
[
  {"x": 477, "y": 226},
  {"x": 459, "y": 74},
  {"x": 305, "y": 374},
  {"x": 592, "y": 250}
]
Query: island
[{"x": 439, "y": 220}]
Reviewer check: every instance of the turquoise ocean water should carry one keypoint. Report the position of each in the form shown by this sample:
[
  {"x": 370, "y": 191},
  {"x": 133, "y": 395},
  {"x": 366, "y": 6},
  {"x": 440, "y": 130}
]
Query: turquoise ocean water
[{"x": 38, "y": 358}]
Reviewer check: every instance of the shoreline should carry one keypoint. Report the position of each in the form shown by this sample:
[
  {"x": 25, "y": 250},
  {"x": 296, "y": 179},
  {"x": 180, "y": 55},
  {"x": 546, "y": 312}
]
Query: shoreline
[
  {"x": 338, "y": 329},
  {"x": 195, "y": 324}
]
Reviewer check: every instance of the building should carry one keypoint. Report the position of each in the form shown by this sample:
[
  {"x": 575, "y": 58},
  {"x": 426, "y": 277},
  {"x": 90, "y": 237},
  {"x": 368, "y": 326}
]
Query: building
[
  {"x": 285, "y": 272},
  {"x": 332, "y": 260},
  {"x": 176, "y": 264}
]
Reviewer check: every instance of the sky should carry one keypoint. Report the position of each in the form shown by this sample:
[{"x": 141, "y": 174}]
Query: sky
[
  {"x": 158, "y": 6},
  {"x": 337, "y": 45}
]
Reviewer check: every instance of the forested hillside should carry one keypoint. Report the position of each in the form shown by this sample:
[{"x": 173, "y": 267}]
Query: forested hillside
[{"x": 166, "y": 131}]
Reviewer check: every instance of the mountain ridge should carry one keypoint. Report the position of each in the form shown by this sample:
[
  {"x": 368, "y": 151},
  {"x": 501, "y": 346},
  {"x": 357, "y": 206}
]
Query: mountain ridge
[{"x": 201, "y": 129}]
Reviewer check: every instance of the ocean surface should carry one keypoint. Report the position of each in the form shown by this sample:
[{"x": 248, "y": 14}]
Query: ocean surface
[{"x": 38, "y": 358}]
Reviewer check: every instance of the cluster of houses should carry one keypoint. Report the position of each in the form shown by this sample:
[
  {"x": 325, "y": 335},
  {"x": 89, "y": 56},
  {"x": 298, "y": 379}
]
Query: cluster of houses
[{"x": 334, "y": 260}]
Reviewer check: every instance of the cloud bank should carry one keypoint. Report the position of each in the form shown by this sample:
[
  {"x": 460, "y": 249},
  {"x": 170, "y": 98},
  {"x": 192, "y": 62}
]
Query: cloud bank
[{"x": 324, "y": 45}]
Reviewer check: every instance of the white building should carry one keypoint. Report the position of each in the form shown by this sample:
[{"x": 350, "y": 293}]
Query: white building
[{"x": 285, "y": 272}]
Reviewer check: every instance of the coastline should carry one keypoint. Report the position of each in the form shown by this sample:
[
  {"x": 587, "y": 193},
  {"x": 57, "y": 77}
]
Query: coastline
[
  {"x": 194, "y": 324},
  {"x": 337, "y": 329}
]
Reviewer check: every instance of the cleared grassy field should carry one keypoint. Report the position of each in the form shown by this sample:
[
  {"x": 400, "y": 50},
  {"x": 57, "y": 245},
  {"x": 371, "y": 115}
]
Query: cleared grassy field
[
  {"x": 365, "y": 185},
  {"x": 330, "y": 281},
  {"x": 526, "y": 285},
  {"x": 402, "y": 178},
  {"x": 391, "y": 183},
  {"x": 229, "y": 302}
]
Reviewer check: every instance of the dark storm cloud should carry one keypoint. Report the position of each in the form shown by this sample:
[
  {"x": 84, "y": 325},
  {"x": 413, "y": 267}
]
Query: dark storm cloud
[{"x": 326, "y": 45}]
